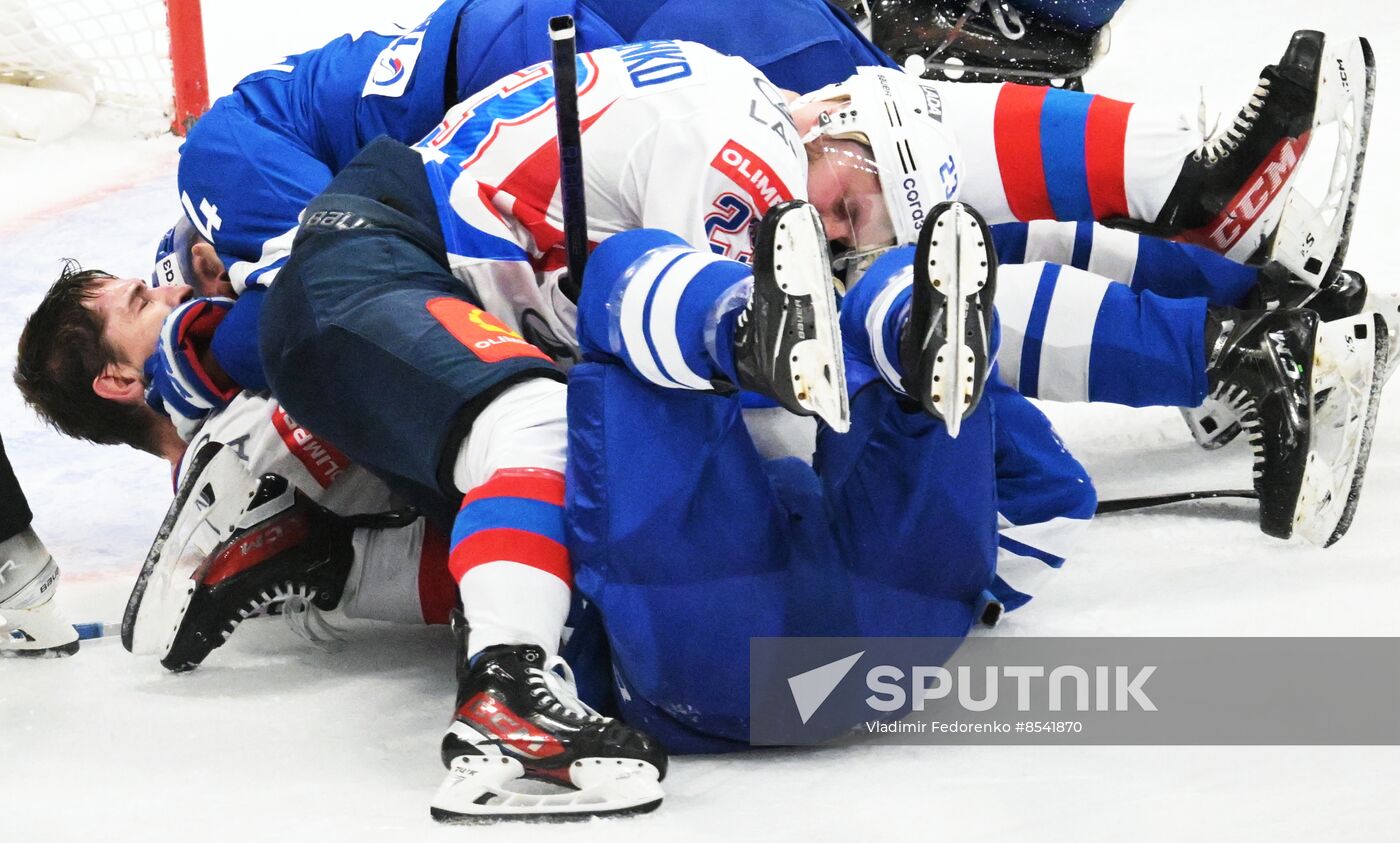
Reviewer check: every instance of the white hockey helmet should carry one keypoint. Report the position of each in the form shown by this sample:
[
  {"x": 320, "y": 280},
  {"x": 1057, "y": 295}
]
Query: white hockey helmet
[{"x": 899, "y": 119}]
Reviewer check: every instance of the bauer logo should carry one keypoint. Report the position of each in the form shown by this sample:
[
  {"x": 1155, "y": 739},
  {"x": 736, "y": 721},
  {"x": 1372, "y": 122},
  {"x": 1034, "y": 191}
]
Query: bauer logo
[{"x": 1073, "y": 690}]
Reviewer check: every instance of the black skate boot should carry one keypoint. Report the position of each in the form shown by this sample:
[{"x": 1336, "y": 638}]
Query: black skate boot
[
  {"x": 787, "y": 344},
  {"x": 1263, "y": 363},
  {"x": 1341, "y": 296},
  {"x": 1344, "y": 296},
  {"x": 946, "y": 344},
  {"x": 234, "y": 547},
  {"x": 982, "y": 41},
  {"x": 1230, "y": 193},
  {"x": 518, "y": 717},
  {"x": 1216, "y": 422}
]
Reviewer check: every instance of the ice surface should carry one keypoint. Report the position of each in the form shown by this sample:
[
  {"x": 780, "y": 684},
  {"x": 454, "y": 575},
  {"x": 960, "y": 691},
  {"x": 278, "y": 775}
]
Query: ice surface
[{"x": 272, "y": 737}]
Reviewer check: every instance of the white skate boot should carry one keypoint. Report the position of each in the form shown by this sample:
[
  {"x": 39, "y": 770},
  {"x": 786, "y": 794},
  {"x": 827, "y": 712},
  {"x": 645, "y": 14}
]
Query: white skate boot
[{"x": 30, "y": 623}]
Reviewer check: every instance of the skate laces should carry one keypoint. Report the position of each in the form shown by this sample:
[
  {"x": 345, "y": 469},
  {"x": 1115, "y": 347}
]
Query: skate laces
[
  {"x": 307, "y": 620},
  {"x": 1007, "y": 19},
  {"x": 555, "y": 679},
  {"x": 301, "y": 615},
  {"x": 1221, "y": 144}
]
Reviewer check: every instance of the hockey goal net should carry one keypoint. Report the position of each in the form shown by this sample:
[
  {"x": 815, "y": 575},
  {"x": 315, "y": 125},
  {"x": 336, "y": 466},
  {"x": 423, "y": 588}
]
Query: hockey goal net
[{"x": 132, "y": 66}]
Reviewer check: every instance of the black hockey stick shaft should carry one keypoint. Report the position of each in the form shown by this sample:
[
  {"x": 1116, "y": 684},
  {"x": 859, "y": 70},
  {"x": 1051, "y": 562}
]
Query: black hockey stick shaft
[
  {"x": 565, "y": 51},
  {"x": 1129, "y": 504}
]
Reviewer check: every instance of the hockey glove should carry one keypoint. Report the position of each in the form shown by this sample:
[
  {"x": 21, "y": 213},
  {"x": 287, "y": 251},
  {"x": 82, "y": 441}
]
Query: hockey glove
[{"x": 181, "y": 382}]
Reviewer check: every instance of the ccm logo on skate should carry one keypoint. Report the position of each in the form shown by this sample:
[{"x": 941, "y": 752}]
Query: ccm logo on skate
[
  {"x": 495, "y": 719},
  {"x": 752, "y": 174},
  {"x": 256, "y": 548},
  {"x": 480, "y": 331},
  {"x": 1258, "y": 194}
]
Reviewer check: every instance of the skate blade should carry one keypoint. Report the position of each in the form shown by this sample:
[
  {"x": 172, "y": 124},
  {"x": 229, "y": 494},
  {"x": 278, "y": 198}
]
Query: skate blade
[
  {"x": 1311, "y": 238},
  {"x": 957, "y": 375},
  {"x": 51, "y": 651},
  {"x": 1387, "y": 306},
  {"x": 1349, "y": 365},
  {"x": 492, "y": 788},
  {"x": 38, "y": 633},
  {"x": 818, "y": 364}
]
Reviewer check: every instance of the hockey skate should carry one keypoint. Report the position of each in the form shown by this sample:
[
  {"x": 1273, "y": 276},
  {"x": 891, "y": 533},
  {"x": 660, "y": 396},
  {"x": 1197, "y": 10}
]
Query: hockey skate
[
  {"x": 946, "y": 345},
  {"x": 1230, "y": 194},
  {"x": 232, "y": 547},
  {"x": 1306, "y": 394},
  {"x": 1216, "y": 422},
  {"x": 1311, "y": 237},
  {"x": 787, "y": 344},
  {"x": 522, "y": 746},
  {"x": 30, "y": 624}
]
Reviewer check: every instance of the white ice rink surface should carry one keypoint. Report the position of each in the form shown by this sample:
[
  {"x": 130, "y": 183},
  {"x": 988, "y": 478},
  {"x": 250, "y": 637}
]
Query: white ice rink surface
[{"x": 274, "y": 738}]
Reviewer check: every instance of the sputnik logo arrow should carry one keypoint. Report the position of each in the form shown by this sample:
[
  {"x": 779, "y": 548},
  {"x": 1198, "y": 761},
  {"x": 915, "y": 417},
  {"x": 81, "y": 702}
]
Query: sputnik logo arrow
[{"x": 810, "y": 689}]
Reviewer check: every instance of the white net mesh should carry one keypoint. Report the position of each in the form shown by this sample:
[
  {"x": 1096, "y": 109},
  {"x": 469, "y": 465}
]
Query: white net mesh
[{"x": 115, "y": 51}]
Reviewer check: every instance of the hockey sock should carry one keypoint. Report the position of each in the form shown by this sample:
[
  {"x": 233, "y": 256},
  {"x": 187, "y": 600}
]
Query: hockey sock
[
  {"x": 510, "y": 562},
  {"x": 381, "y": 587},
  {"x": 666, "y": 310},
  {"x": 1069, "y": 335},
  {"x": 507, "y": 545},
  {"x": 873, "y": 316},
  {"x": 1167, "y": 268},
  {"x": 1036, "y": 152}
]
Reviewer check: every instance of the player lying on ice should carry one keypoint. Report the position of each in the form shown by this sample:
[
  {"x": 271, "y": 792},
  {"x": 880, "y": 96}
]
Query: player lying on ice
[{"x": 1087, "y": 339}]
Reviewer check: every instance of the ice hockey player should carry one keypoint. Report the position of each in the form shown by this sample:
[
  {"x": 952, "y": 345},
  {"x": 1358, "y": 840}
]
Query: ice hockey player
[
  {"x": 509, "y": 556},
  {"x": 891, "y": 532},
  {"x": 30, "y": 621},
  {"x": 261, "y": 154}
]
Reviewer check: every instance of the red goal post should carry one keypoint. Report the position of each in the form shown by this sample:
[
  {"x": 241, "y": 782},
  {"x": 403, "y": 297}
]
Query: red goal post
[{"x": 131, "y": 65}]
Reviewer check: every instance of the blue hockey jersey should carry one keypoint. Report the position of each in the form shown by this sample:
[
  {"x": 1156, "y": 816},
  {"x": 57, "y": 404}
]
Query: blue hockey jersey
[{"x": 264, "y": 151}]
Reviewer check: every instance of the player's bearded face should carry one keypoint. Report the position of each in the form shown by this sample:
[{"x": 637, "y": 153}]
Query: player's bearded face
[
  {"x": 132, "y": 314},
  {"x": 843, "y": 182}
]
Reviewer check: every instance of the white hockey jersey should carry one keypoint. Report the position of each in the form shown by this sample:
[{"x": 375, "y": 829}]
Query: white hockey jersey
[
  {"x": 268, "y": 440},
  {"x": 675, "y": 137}
]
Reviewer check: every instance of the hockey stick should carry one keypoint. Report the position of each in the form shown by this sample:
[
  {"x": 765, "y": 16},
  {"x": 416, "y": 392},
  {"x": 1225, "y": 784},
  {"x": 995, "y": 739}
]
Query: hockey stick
[
  {"x": 561, "y": 36},
  {"x": 1145, "y": 502},
  {"x": 98, "y": 629}
]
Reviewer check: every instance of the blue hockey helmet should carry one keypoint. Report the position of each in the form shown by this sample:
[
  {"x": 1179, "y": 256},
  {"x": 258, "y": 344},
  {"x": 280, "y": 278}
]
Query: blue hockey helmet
[{"x": 173, "y": 264}]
